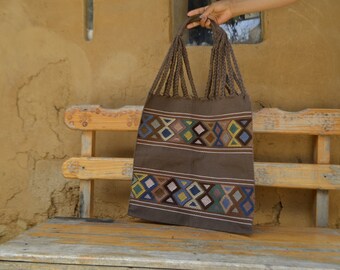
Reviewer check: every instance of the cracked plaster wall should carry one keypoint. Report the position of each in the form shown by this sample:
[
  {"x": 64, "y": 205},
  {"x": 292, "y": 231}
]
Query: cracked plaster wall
[{"x": 46, "y": 66}]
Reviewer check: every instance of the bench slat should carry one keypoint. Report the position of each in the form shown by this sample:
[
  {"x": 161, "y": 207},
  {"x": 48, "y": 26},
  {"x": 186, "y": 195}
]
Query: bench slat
[
  {"x": 269, "y": 120},
  {"x": 308, "y": 122},
  {"x": 287, "y": 175},
  {"x": 95, "y": 117},
  {"x": 75, "y": 244}
]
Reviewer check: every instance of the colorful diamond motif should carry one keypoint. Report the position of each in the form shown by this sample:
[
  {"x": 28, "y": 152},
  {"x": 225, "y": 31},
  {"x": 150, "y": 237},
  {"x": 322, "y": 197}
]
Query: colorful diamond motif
[
  {"x": 247, "y": 207},
  {"x": 221, "y": 133},
  {"x": 137, "y": 189},
  {"x": 149, "y": 183},
  {"x": 166, "y": 133},
  {"x": 237, "y": 196},
  {"x": 155, "y": 124},
  {"x": 206, "y": 201},
  {"x": 177, "y": 126},
  {"x": 210, "y": 138},
  {"x": 214, "y": 198},
  {"x": 181, "y": 197},
  {"x": 234, "y": 128},
  {"x": 159, "y": 193},
  {"x": 216, "y": 192},
  {"x": 172, "y": 186},
  {"x": 226, "y": 204},
  {"x": 225, "y": 138},
  {"x": 244, "y": 137},
  {"x": 188, "y": 136},
  {"x": 217, "y": 129},
  {"x": 144, "y": 130},
  {"x": 199, "y": 129},
  {"x": 194, "y": 190}
]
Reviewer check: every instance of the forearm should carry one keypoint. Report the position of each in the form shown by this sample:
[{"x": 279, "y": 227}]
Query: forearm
[
  {"x": 239, "y": 7},
  {"x": 224, "y": 10}
]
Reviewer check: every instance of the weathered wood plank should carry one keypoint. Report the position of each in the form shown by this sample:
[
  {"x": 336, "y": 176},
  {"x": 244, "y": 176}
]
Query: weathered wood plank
[
  {"x": 323, "y": 150},
  {"x": 296, "y": 175},
  {"x": 86, "y": 187},
  {"x": 95, "y": 117},
  {"x": 309, "y": 176},
  {"x": 149, "y": 245},
  {"x": 48, "y": 266},
  {"x": 98, "y": 168},
  {"x": 322, "y": 156},
  {"x": 309, "y": 121},
  {"x": 269, "y": 120},
  {"x": 322, "y": 208}
]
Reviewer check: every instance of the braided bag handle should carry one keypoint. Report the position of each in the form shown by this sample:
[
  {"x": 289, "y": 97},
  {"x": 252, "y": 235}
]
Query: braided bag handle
[{"x": 224, "y": 79}]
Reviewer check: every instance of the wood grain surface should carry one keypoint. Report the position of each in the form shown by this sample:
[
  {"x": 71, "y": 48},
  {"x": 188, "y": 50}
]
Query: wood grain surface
[
  {"x": 81, "y": 242},
  {"x": 287, "y": 175},
  {"x": 269, "y": 120}
]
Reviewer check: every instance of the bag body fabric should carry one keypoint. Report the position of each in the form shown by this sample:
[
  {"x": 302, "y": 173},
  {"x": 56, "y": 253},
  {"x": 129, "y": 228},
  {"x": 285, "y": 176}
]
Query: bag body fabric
[{"x": 193, "y": 161}]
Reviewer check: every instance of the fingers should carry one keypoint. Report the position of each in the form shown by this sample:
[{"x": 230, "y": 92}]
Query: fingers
[
  {"x": 192, "y": 25},
  {"x": 204, "y": 20},
  {"x": 206, "y": 24},
  {"x": 205, "y": 12},
  {"x": 196, "y": 11}
]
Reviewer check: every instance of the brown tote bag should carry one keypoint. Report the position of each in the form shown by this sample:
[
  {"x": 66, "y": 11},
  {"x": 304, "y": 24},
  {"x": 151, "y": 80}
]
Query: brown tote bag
[{"x": 193, "y": 162}]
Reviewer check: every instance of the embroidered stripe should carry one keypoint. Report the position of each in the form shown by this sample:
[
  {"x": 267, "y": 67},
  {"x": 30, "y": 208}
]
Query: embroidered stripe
[
  {"x": 209, "y": 181},
  {"x": 191, "y": 176},
  {"x": 234, "y": 150},
  {"x": 234, "y": 200},
  {"x": 198, "y": 116},
  {"x": 201, "y": 214},
  {"x": 190, "y": 148},
  {"x": 191, "y": 214}
]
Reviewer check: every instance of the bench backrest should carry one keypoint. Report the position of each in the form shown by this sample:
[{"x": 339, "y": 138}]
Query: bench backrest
[{"x": 321, "y": 176}]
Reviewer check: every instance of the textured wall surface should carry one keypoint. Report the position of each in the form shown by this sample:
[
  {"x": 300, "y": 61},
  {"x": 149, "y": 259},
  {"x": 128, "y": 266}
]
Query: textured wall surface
[{"x": 47, "y": 66}]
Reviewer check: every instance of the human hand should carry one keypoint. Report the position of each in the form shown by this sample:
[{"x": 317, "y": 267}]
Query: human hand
[
  {"x": 224, "y": 10},
  {"x": 219, "y": 11}
]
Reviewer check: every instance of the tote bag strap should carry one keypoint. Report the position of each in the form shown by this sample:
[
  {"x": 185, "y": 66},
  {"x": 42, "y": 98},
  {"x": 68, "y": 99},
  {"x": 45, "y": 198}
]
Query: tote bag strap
[{"x": 224, "y": 79}]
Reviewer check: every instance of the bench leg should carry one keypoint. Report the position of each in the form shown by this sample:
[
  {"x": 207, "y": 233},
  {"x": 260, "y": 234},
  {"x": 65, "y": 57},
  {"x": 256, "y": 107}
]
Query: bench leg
[
  {"x": 322, "y": 156},
  {"x": 88, "y": 139},
  {"x": 86, "y": 198}
]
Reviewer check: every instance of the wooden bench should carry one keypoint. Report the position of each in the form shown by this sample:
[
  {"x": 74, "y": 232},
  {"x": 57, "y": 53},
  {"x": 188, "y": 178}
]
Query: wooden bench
[{"x": 86, "y": 243}]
